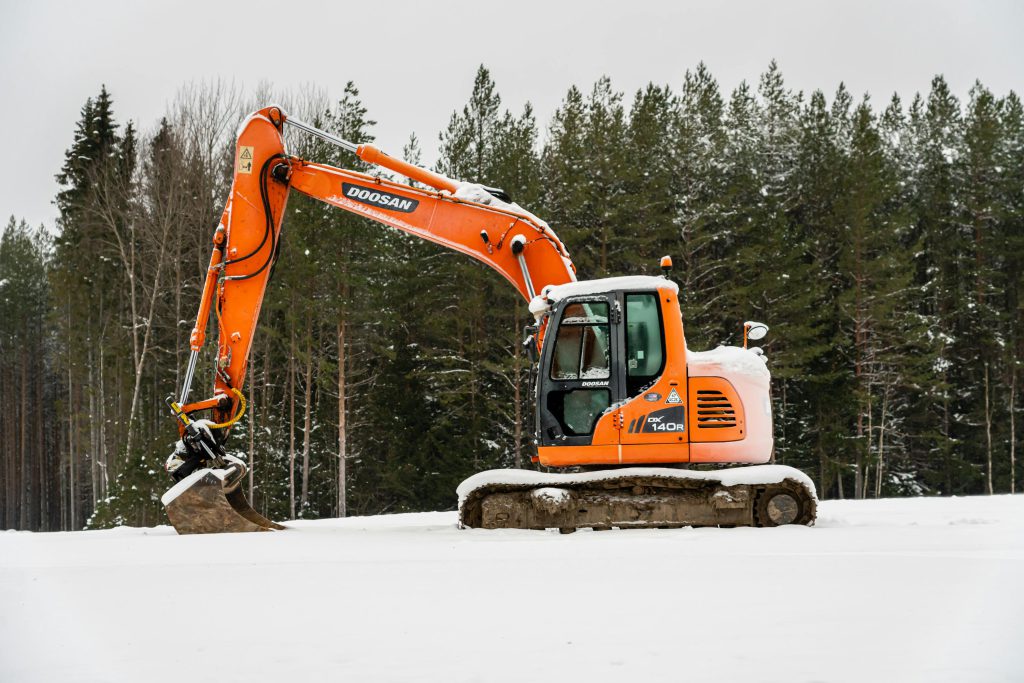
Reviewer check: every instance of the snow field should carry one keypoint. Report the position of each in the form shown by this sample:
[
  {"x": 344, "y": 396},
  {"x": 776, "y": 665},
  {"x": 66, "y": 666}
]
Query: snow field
[{"x": 889, "y": 590}]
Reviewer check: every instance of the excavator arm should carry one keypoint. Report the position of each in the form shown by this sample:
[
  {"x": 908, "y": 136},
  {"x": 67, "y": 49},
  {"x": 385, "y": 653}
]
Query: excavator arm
[{"x": 461, "y": 216}]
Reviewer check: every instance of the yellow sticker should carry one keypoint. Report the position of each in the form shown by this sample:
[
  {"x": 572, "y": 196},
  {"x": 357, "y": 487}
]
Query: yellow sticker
[{"x": 245, "y": 160}]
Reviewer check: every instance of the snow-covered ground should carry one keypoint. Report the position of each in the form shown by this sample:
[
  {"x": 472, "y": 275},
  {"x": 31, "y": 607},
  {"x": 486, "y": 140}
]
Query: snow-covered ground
[{"x": 891, "y": 590}]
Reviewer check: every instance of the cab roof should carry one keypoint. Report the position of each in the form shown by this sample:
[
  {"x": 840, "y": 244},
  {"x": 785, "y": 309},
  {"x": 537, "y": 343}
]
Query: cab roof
[{"x": 631, "y": 283}]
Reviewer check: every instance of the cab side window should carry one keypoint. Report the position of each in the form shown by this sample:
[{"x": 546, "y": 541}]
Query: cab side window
[{"x": 645, "y": 344}]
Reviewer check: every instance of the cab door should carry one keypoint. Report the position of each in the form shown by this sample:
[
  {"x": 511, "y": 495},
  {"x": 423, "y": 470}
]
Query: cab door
[{"x": 578, "y": 381}]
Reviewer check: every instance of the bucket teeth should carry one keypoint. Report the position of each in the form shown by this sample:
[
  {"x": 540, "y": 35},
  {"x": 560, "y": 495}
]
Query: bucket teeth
[{"x": 202, "y": 504}]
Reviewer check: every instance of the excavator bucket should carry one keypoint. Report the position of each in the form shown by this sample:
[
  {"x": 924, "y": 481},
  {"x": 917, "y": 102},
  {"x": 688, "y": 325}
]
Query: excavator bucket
[{"x": 207, "y": 502}]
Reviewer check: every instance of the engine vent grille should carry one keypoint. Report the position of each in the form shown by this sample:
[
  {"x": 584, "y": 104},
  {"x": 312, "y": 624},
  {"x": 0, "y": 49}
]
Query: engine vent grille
[{"x": 714, "y": 410}]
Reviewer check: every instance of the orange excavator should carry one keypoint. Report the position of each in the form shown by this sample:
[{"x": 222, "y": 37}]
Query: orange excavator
[{"x": 622, "y": 408}]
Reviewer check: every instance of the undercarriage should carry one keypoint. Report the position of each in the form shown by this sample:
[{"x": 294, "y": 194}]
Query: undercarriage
[{"x": 640, "y": 497}]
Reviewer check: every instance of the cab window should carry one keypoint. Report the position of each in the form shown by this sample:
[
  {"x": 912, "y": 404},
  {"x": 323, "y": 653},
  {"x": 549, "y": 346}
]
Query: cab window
[
  {"x": 578, "y": 410},
  {"x": 581, "y": 347},
  {"x": 645, "y": 345}
]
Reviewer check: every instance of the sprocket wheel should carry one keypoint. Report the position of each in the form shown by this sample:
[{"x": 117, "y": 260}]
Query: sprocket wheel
[{"x": 787, "y": 502}]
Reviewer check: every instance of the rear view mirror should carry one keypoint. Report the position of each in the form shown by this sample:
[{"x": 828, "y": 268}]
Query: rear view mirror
[
  {"x": 756, "y": 331},
  {"x": 530, "y": 343},
  {"x": 753, "y": 331}
]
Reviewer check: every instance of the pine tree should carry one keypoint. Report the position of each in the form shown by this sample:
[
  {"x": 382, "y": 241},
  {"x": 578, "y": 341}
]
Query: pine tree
[
  {"x": 1011, "y": 185},
  {"x": 935, "y": 125},
  {"x": 563, "y": 162},
  {"x": 705, "y": 231},
  {"x": 816, "y": 226},
  {"x": 980, "y": 313},
  {"x": 87, "y": 284},
  {"x": 648, "y": 207},
  {"x": 29, "y": 460},
  {"x": 473, "y": 359},
  {"x": 874, "y": 266}
]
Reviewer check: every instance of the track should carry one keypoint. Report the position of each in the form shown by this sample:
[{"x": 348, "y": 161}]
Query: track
[{"x": 763, "y": 495}]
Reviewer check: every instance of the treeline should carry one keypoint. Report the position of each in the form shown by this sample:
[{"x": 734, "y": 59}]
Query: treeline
[{"x": 883, "y": 244}]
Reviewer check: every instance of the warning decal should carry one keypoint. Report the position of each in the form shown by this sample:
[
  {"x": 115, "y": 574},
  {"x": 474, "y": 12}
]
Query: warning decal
[
  {"x": 673, "y": 397},
  {"x": 245, "y": 160}
]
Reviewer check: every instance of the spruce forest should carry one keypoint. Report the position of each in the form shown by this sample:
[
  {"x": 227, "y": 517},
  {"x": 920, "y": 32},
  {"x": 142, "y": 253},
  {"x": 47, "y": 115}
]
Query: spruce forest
[{"x": 881, "y": 240}]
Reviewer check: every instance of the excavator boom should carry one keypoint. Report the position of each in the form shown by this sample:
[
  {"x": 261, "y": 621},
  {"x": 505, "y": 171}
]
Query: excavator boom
[
  {"x": 519, "y": 246},
  {"x": 461, "y": 216}
]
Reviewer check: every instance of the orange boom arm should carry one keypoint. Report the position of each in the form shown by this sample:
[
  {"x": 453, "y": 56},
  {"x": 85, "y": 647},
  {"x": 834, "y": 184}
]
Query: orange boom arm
[{"x": 521, "y": 247}]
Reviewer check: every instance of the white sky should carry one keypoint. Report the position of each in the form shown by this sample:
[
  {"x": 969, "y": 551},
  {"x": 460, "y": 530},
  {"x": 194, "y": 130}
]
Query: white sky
[{"x": 414, "y": 61}]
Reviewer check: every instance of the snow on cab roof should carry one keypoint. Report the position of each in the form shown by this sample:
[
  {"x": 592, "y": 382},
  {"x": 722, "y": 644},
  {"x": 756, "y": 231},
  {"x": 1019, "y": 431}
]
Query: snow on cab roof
[
  {"x": 608, "y": 284},
  {"x": 553, "y": 293}
]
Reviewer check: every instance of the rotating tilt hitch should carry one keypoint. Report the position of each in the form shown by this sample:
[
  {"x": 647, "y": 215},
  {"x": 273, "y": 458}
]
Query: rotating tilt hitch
[{"x": 200, "y": 446}]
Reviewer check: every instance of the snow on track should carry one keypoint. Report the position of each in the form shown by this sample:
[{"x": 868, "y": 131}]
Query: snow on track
[
  {"x": 891, "y": 590},
  {"x": 733, "y": 476}
]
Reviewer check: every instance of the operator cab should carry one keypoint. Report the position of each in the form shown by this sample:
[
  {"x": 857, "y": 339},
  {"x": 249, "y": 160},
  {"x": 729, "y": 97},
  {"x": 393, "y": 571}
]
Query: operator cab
[{"x": 604, "y": 344}]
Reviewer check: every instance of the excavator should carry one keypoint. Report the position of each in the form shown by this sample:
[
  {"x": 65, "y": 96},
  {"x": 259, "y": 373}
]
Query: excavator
[{"x": 639, "y": 428}]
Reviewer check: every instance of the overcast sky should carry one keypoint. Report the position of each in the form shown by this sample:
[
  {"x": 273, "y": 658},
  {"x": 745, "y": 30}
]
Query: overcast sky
[{"x": 414, "y": 61}]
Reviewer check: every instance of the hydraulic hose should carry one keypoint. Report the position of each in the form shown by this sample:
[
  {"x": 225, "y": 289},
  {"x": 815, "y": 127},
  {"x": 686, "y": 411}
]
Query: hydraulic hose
[{"x": 241, "y": 411}]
